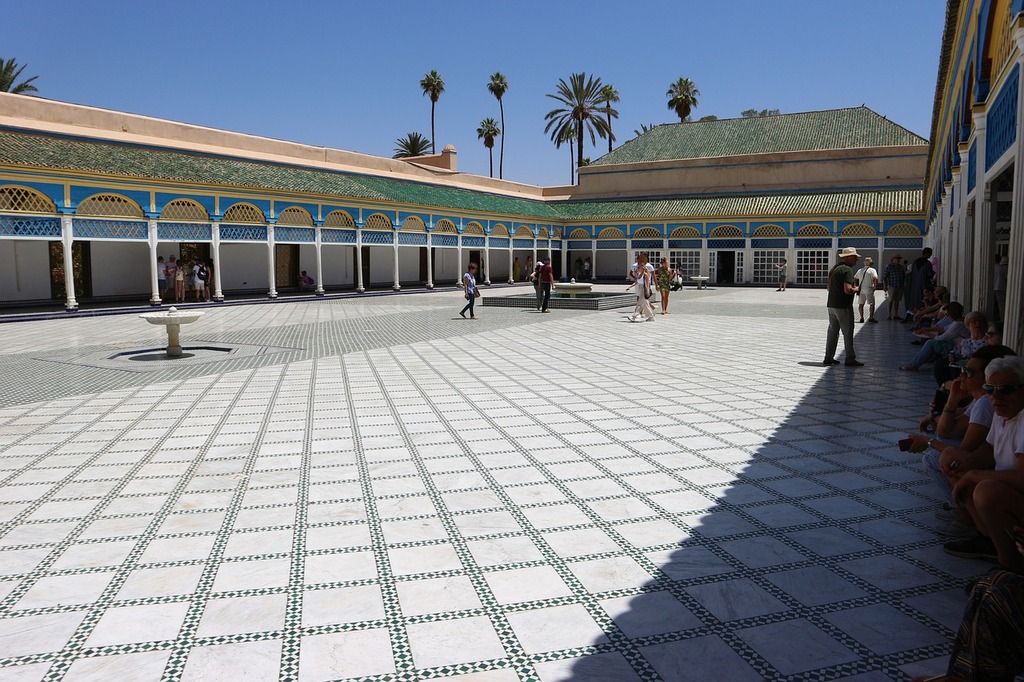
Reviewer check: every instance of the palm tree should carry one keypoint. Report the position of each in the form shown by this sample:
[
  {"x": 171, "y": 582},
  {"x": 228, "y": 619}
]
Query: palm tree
[
  {"x": 609, "y": 95},
  {"x": 568, "y": 136},
  {"x": 498, "y": 86},
  {"x": 413, "y": 144},
  {"x": 487, "y": 131},
  {"x": 9, "y": 73},
  {"x": 432, "y": 86},
  {"x": 581, "y": 100},
  {"x": 644, "y": 127},
  {"x": 682, "y": 97}
]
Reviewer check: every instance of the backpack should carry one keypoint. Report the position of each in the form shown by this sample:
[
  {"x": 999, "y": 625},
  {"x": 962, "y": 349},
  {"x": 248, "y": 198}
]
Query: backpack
[{"x": 202, "y": 273}]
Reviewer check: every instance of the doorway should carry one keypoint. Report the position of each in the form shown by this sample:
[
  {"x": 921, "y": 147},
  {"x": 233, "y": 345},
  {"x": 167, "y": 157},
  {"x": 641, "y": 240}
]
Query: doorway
[
  {"x": 366, "y": 267},
  {"x": 81, "y": 262},
  {"x": 726, "y": 267},
  {"x": 476, "y": 257}
]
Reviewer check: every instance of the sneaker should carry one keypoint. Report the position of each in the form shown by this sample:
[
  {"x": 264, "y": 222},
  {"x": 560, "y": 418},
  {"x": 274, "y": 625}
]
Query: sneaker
[
  {"x": 977, "y": 547},
  {"x": 854, "y": 363},
  {"x": 829, "y": 363}
]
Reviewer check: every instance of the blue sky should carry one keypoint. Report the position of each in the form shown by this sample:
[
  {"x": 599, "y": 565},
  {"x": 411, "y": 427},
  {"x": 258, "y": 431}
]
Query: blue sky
[{"x": 346, "y": 74}]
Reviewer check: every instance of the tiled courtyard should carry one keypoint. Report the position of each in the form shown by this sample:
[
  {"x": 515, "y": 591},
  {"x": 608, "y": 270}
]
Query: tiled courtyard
[{"x": 381, "y": 490}]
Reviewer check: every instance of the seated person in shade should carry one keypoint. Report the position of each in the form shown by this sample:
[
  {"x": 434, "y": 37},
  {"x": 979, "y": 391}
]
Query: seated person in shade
[
  {"x": 948, "y": 367},
  {"x": 306, "y": 283},
  {"x": 993, "y": 498},
  {"x": 929, "y": 310},
  {"x": 941, "y": 343},
  {"x": 960, "y": 431}
]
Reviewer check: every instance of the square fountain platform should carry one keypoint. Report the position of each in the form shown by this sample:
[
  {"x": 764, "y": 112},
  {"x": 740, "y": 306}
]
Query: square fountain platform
[{"x": 594, "y": 300}]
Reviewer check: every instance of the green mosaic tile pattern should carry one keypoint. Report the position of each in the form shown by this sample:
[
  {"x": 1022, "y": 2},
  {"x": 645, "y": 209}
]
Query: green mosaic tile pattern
[{"x": 857, "y": 127}]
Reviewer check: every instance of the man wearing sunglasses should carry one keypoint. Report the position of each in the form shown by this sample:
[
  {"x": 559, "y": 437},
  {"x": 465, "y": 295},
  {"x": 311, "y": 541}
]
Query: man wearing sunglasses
[{"x": 994, "y": 499}]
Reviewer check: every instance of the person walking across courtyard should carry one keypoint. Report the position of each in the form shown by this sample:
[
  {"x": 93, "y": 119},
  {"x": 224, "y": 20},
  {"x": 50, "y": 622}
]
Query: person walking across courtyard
[
  {"x": 866, "y": 279},
  {"x": 840, "y": 308},
  {"x": 547, "y": 279},
  {"x": 642, "y": 275},
  {"x": 780, "y": 267},
  {"x": 470, "y": 291},
  {"x": 894, "y": 279},
  {"x": 161, "y": 275},
  {"x": 663, "y": 277},
  {"x": 535, "y": 281}
]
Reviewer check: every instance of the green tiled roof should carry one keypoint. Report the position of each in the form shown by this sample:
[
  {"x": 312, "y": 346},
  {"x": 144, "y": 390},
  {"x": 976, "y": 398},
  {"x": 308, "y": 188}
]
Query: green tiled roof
[
  {"x": 813, "y": 130},
  {"x": 817, "y": 204},
  {"x": 62, "y": 153},
  {"x": 51, "y": 152}
]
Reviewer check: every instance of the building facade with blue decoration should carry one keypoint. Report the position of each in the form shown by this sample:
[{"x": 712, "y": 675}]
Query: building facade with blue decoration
[
  {"x": 90, "y": 198},
  {"x": 974, "y": 198}
]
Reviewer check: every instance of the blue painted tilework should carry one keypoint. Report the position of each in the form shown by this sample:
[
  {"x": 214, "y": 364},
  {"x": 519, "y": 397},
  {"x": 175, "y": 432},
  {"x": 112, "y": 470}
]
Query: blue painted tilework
[
  {"x": 814, "y": 243},
  {"x": 329, "y": 236},
  {"x": 183, "y": 232},
  {"x": 294, "y": 234},
  {"x": 412, "y": 238},
  {"x": 445, "y": 240},
  {"x": 648, "y": 243},
  {"x": 684, "y": 243},
  {"x": 471, "y": 241},
  {"x": 243, "y": 233},
  {"x": 12, "y": 226},
  {"x": 579, "y": 244},
  {"x": 727, "y": 243},
  {"x": 378, "y": 237},
  {"x": 904, "y": 242},
  {"x": 611, "y": 244},
  {"x": 499, "y": 242},
  {"x": 89, "y": 228},
  {"x": 779, "y": 243},
  {"x": 1002, "y": 119},
  {"x": 859, "y": 242},
  {"x": 522, "y": 243},
  {"x": 972, "y": 166}
]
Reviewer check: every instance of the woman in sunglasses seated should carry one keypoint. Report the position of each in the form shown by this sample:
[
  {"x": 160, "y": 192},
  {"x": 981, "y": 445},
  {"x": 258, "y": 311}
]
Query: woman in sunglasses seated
[{"x": 994, "y": 497}]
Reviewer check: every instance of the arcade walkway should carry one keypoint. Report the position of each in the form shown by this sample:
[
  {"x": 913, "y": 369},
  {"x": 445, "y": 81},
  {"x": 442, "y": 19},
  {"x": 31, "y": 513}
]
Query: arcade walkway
[{"x": 377, "y": 489}]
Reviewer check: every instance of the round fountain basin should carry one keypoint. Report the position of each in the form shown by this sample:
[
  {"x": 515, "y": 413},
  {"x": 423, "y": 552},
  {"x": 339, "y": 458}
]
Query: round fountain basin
[{"x": 571, "y": 289}]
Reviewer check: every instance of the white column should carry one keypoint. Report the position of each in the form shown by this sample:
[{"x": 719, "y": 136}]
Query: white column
[
  {"x": 487, "y": 260},
  {"x": 664, "y": 251},
  {"x": 430, "y": 264},
  {"x": 218, "y": 293},
  {"x": 460, "y": 269},
  {"x": 535, "y": 250},
  {"x": 359, "y": 258},
  {"x": 981, "y": 252},
  {"x": 705, "y": 260},
  {"x": 68, "y": 239},
  {"x": 629, "y": 256},
  {"x": 833, "y": 256},
  {"x": 1013, "y": 335},
  {"x": 511, "y": 274},
  {"x": 271, "y": 270},
  {"x": 318, "y": 244},
  {"x": 566, "y": 275},
  {"x": 154, "y": 299},
  {"x": 397, "y": 286},
  {"x": 748, "y": 262},
  {"x": 593, "y": 260}
]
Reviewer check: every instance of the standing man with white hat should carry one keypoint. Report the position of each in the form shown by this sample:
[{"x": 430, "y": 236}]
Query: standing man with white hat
[{"x": 841, "y": 289}]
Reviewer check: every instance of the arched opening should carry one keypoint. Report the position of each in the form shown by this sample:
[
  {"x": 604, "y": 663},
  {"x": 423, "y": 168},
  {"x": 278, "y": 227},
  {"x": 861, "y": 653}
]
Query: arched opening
[
  {"x": 185, "y": 211},
  {"x": 647, "y": 233},
  {"x": 858, "y": 230},
  {"x": 245, "y": 214},
  {"x": 685, "y": 232},
  {"x": 339, "y": 218},
  {"x": 109, "y": 206},
  {"x": 903, "y": 230},
  {"x": 295, "y": 216},
  {"x": 813, "y": 231},
  {"x": 17, "y": 199},
  {"x": 769, "y": 232},
  {"x": 726, "y": 232}
]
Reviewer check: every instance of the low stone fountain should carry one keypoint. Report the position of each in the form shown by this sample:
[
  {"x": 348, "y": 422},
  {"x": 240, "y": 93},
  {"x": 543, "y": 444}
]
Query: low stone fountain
[
  {"x": 172, "y": 319},
  {"x": 572, "y": 287}
]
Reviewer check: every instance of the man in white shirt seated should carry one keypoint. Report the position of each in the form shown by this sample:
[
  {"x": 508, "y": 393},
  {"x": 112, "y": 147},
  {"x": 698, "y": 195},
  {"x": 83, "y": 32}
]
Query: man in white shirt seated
[
  {"x": 994, "y": 498},
  {"x": 942, "y": 343}
]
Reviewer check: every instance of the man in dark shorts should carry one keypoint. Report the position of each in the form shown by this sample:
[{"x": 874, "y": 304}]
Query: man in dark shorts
[
  {"x": 841, "y": 289},
  {"x": 547, "y": 279}
]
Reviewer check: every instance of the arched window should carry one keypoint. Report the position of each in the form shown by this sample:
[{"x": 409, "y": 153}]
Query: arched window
[
  {"x": 378, "y": 221},
  {"x": 244, "y": 213},
  {"x": 903, "y": 230},
  {"x": 25, "y": 200},
  {"x": 726, "y": 232},
  {"x": 523, "y": 232},
  {"x": 813, "y": 231},
  {"x": 445, "y": 226},
  {"x": 543, "y": 234},
  {"x": 184, "y": 210},
  {"x": 339, "y": 219},
  {"x": 767, "y": 231},
  {"x": 295, "y": 215},
  {"x": 611, "y": 233},
  {"x": 579, "y": 233},
  {"x": 109, "y": 206},
  {"x": 414, "y": 224},
  {"x": 685, "y": 232},
  {"x": 499, "y": 230},
  {"x": 858, "y": 230},
  {"x": 647, "y": 233}
]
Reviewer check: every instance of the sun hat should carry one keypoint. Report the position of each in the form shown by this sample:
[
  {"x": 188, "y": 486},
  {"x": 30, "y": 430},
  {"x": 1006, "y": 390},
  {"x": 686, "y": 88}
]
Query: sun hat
[{"x": 849, "y": 251}]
